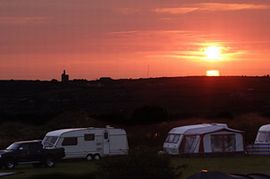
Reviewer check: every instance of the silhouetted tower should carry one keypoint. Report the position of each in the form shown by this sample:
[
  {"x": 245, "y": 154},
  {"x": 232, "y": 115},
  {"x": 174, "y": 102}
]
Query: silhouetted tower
[{"x": 64, "y": 76}]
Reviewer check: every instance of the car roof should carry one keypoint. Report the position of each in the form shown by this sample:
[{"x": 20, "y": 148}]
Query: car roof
[{"x": 28, "y": 141}]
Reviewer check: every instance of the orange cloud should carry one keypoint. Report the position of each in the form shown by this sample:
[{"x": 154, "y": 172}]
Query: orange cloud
[{"x": 212, "y": 7}]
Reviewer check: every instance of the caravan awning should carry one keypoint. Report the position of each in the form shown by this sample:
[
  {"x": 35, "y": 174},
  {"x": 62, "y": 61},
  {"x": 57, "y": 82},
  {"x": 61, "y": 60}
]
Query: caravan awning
[{"x": 210, "y": 129}]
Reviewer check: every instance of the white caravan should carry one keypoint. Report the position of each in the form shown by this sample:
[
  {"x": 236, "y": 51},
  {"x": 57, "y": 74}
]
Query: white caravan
[
  {"x": 90, "y": 143},
  {"x": 261, "y": 145},
  {"x": 263, "y": 135},
  {"x": 203, "y": 139}
]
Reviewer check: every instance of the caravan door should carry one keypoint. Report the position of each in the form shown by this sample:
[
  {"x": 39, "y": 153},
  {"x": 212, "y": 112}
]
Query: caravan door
[
  {"x": 106, "y": 143},
  {"x": 191, "y": 144}
]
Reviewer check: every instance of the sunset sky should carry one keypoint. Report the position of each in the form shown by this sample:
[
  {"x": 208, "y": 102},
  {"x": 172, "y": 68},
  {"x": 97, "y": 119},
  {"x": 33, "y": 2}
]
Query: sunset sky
[{"x": 132, "y": 38}]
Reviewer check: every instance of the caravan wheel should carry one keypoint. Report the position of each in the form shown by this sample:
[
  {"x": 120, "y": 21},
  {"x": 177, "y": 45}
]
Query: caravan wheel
[
  {"x": 89, "y": 157},
  {"x": 97, "y": 157}
]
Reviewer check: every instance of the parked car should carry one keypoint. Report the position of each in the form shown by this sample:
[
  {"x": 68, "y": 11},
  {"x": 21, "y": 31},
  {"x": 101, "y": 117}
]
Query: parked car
[
  {"x": 29, "y": 152},
  {"x": 89, "y": 143}
]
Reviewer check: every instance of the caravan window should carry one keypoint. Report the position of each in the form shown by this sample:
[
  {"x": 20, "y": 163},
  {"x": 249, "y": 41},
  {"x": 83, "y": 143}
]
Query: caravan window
[
  {"x": 89, "y": 137},
  {"x": 70, "y": 141},
  {"x": 263, "y": 137},
  {"x": 223, "y": 143},
  {"x": 49, "y": 141},
  {"x": 172, "y": 138}
]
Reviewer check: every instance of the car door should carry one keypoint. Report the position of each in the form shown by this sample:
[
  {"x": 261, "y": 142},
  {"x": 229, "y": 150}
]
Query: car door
[
  {"x": 23, "y": 153},
  {"x": 35, "y": 152}
]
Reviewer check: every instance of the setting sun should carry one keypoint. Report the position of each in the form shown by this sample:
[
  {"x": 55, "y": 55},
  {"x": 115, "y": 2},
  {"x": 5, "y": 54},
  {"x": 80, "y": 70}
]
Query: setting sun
[
  {"x": 212, "y": 73},
  {"x": 213, "y": 53}
]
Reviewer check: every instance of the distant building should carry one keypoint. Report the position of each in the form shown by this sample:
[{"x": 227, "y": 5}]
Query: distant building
[
  {"x": 105, "y": 79},
  {"x": 64, "y": 77}
]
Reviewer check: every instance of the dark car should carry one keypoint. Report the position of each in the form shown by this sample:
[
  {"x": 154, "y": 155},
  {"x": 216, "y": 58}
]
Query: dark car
[{"x": 29, "y": 152}]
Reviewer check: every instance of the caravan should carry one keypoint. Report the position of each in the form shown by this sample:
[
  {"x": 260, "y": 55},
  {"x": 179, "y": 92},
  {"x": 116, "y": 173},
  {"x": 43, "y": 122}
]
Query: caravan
[
  {"x": 90, "y": 143},
  {"x": 263, "y": 135},
  {"x": 203, "y": 139},
  {"x": 261, "y": 145}
]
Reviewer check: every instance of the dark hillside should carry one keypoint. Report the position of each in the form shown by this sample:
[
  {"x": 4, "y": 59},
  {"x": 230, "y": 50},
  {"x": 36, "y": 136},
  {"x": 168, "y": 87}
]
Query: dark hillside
[
  {"x": 146, "y": 108},
  {"x": 38, "y": 101}
]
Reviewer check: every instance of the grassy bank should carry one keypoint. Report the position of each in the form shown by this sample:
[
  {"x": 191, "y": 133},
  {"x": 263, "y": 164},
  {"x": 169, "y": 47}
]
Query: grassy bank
[
  {"x": 72, "y": 169},
  {"x": 241, "y": 165},
  {"x": 189, "y": 166}
]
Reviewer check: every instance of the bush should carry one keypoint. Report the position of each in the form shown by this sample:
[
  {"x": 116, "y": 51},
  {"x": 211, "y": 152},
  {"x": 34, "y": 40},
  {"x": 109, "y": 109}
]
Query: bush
[
  {"x": 63, "y": 176},
  {"x": 150, "y": 114},
  {"x": 225, "y": 115},
  {"x": 114, "y": 117},
  {"x": 136, "y": 166}
]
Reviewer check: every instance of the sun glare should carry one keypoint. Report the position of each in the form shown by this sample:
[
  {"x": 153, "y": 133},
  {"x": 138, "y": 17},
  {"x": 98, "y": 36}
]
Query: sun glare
[
  {"x": 213, "y": 53},
  {"x": 212, "y": 73}
]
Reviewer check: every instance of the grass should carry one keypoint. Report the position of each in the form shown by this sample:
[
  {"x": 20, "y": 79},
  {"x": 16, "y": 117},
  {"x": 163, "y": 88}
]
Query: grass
[
  {"x": 239, "y": 164},
  {"x": 80, "y": 169},
  {"x": 67, "y": 168}
]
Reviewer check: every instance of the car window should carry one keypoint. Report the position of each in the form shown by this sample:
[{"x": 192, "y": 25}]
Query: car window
[
  {"x": 24, "y": 147},
  {"x": 13, "y": 146},
  {"x": 34, "y": 147}
]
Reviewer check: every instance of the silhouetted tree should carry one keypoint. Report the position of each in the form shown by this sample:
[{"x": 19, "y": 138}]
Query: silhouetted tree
[{"x": 149, "y": 114}]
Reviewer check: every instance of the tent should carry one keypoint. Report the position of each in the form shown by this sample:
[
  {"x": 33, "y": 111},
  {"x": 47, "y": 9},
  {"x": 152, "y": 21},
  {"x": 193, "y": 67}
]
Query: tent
[{"x": 204, "y": 139}]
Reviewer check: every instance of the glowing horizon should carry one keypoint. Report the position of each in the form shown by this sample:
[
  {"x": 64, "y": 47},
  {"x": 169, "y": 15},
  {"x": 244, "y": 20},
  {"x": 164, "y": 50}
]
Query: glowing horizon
[{"x": 212, "y": 73}]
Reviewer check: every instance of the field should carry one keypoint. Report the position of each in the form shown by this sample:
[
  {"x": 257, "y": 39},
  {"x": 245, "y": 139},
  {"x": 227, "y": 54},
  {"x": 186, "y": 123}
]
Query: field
[
  {"x": 80, "y": 169},
  {"x": 72, "y": 169},
  {"x": 240, "y": 165}
]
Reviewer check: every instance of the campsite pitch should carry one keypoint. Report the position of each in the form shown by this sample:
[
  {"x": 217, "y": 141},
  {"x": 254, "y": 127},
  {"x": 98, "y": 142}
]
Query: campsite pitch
[
  {"x": 230, "y": 165},
  {"x": 81, "y": 169}
]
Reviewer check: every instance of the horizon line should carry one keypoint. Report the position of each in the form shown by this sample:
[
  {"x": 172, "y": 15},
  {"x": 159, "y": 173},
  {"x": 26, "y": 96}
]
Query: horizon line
[{"x": 139, "y": 78}]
